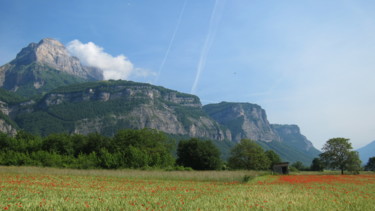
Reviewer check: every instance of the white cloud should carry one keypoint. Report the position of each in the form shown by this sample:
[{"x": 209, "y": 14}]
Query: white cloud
[
  {"x": 143, "y": 73},
  {"x": 118, "y": 67}
]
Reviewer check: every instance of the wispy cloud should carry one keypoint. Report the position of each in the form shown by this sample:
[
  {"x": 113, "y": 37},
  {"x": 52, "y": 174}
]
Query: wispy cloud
[
  {"x": 114, "y": 67},
  {"x": 171, "y": 41},
  {"x": 213, "y": 25}
]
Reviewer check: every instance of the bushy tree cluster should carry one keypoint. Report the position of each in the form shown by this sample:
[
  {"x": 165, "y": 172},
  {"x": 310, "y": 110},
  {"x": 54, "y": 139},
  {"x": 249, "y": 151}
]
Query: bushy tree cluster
[
  {"x": 298, "y": 166},
  {"x": 317, "y": 165},
  {"x": 127, "y": 149},
  {"x": 199, "y": 155},
  {"x": 249, "y": 155}
]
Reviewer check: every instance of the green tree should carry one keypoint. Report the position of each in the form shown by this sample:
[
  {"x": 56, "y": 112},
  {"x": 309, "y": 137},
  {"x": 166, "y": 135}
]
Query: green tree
[
  {"x": 60, "y": 143},
  {"x": 109, "y": 160},
  {"x": 317, "y": 165},
  {"x": 299, "y": 166},
  {"x": 21, "y": 134},
  {"x": 4, "y": 141},
  {"x": 370, "y": 166},
  {"x": 337, "y": 154},
  {"x": 142, "y": 148},
  {"x": 248, "y": 155},
  {"x": 198, "y": 154},
  {"x": 273, "y": 157},
  {"x": 354, "y": 163},
  {"x": 92, "y": 142}
]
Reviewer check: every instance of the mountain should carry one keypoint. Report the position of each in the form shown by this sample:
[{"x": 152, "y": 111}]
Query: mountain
[
  {"x": 41, "y": 67},
  {"x": 246, "y": 120},
  {"x": 366, "y": 152},
  {"x": 44, "y": 90}
]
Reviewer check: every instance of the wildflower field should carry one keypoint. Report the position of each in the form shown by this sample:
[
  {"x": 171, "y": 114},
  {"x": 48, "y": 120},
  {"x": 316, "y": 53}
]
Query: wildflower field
[{"x": 26, "y": 188}]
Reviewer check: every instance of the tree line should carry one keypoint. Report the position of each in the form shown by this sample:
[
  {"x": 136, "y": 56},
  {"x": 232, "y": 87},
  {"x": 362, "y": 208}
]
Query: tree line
[
  {"x": 126, "y": 149},
  {"x": 137, "y": 149},
  {"x": 149, "y": 148},
  {"x": 338, "y": 154}
]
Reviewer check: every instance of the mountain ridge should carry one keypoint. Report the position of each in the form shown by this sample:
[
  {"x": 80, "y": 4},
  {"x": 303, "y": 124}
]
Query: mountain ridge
[{"x": 366, "y": 152}]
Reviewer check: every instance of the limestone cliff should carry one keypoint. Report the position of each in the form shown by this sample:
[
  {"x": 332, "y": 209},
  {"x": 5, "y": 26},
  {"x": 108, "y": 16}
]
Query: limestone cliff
[
  {"x": 108, "y": 106},
  {"x": 244, "y": 120},
  {"x": 249, "y": 121},
  {"x": 291, "y": 135}
]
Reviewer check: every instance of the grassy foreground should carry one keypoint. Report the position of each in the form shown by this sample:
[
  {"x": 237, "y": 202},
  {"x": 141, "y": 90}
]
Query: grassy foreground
[{"x": 28, "y": 188}]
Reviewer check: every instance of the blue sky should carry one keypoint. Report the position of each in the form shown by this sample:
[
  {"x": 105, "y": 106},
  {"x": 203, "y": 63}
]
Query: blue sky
[{"x": 307, "y": 62}]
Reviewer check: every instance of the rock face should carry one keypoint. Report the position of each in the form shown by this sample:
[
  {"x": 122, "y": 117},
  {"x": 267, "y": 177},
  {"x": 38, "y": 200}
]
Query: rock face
[
  {"x": 108, "y": 106},
  {"x": 6, "y": 124},
  {"x": 244, "y": 120},
  {"x": 42, "y": 66},
  {"x": 53, "y": 53},
  {"x": 7, "y": 128},
  {"x": 291, "y": 135},
  {"x": 249, "y": 121}
]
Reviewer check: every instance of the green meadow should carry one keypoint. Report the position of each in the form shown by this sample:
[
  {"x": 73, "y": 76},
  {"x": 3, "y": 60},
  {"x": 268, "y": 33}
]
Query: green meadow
[{"x": 34, "y": 188}]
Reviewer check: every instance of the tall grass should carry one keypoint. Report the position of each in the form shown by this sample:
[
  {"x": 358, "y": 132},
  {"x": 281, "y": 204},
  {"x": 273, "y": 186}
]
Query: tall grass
[{"x": 219, "y": 176}]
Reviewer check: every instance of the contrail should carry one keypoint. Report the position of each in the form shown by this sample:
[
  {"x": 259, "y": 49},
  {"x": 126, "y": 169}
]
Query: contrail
[
  {"x": 214, "y": 22},
  {"x": 171, "y": 41}
]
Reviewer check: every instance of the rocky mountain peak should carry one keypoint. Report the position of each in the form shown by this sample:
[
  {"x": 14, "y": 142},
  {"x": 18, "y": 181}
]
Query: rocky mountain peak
[
  {"x": 50, "y": 41},
  {"x": 43, "y": 66},
  {"x": 35, "y": 52},
  {"x": 52, "y": 53}
]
